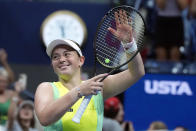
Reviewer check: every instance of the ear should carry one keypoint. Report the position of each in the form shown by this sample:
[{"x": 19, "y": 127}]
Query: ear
[{"x": 82, "y": 59}]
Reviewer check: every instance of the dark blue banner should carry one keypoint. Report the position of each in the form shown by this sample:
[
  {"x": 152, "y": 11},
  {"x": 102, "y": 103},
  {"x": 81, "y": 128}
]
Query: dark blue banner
[
  {"x": 20, "y": 24},
  {"x": 168, "y": 98}
]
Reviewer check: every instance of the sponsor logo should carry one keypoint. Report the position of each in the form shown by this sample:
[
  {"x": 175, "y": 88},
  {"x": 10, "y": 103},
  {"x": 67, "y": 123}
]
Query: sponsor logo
[
  {"x": 70, "y": 110},
  {"x": 165, "y": 87}
]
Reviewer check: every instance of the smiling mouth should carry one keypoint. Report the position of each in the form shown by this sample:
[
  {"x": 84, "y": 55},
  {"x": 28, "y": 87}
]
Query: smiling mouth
[{"x": 63, "y": 66}]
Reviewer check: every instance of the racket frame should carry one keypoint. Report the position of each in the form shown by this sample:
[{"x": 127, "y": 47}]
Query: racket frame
[{"x": 81, "y": 109}]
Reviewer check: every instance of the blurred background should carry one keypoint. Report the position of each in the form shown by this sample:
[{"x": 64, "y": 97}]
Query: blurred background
[{"x": 166, "y": 93}]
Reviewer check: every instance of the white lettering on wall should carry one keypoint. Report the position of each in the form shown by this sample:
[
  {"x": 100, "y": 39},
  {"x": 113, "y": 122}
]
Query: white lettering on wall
[{"x": 164, "y": 87}]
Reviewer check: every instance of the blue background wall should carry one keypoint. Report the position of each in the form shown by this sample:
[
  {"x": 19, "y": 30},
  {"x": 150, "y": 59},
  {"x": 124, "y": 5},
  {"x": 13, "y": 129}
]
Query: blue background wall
[
  {"x": 20, "y": 24},
  {"x": 171, "y": 103}
]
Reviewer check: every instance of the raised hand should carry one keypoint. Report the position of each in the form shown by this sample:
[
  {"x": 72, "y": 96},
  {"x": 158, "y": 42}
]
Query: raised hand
[
  {"x": 18, "y": 87},
  {"x": 123, "y": 30}
]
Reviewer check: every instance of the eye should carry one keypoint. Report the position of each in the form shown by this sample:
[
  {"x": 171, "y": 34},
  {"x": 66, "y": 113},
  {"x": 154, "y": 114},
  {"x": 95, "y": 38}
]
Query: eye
[
  {"x": 67, "y": 54},
  {"x": 55, "y": 57}
]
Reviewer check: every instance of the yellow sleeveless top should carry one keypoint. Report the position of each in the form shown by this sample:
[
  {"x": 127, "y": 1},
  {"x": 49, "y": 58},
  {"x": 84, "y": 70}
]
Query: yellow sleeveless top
[{"x": 92, "y": 119}]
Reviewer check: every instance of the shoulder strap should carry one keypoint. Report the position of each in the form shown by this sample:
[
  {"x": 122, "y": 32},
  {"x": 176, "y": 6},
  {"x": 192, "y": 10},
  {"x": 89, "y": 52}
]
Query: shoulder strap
[
  {"x": 57, "y": 125},
  {"x": 98, "y": 100},
  {"x": 55, "y": 91}
]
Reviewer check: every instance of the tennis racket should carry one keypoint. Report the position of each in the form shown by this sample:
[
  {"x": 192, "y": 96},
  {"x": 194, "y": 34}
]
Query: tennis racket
[{"x": 108, "y": 48}]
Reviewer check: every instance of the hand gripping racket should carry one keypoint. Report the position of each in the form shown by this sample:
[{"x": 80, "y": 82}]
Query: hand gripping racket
[{"x": 108, "y": 48}]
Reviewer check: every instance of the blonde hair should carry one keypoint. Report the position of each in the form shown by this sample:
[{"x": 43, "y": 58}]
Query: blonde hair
[
  {"x": 3, "y": 72},
  {"x": 158, "y": 125}
]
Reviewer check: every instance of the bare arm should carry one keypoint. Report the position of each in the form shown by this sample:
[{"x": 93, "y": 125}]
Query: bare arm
[
  {"x": 49, "y": 110},
  {"x": 118, "y": 83},
  {"x": 13, "y": 107},
  {"x": 12, "y": 110},
  {"x": 115, "y": 84},
  {"x": 3, "y": 60},
  {"x": 46, "y": 107}
]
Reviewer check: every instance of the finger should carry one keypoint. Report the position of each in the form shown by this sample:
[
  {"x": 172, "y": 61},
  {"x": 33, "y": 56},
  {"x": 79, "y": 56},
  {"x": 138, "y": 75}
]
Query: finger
[
  {"x": 125, "y": 17},
  {"x": 129, "y": 21},
  {"x": 98, "y": 83},
  {"x": 113, "y": 31},
  {"x": 99, "y": 80},
  {"x": 99, "y": 89},
  {"x": 96, "y": 89},
  {"x": 121, "y": 16},
  {"x": 94, "y": 92},
  {"x": 117, "y": 19},
  {"x": 99, "y": 76}
]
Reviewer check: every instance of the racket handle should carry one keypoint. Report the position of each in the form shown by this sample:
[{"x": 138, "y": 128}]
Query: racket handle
[
  {"x": 81, "y": 109},
  {"x": 84, "y": 104}
]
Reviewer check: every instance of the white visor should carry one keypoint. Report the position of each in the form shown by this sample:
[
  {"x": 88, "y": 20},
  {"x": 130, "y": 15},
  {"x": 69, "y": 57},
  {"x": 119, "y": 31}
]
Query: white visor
[{"x": 57, "y": 42}]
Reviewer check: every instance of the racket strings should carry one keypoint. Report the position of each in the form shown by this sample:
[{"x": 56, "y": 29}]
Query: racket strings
[
  {"x": 112, "y": 63},
  {"x": 107, "y": 55},
  {"x": 137, "y": 37},
  {"x": 111, "y": 50},
  {"x": 138, "y": 32},
  {"x": 108, "y": 46},
  {"x": 136, "y": 28},
  {"x": 132, "y": 24},
  {"x": 110, "y": 55}
]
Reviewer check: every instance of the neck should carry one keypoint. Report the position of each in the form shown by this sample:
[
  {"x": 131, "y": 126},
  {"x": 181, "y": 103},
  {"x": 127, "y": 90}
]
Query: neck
[{"x": 70, "y": 82}]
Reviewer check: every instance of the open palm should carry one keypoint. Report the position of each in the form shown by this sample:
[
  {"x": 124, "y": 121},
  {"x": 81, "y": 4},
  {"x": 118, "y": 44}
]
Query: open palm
[{"x": 123, "y": 30}]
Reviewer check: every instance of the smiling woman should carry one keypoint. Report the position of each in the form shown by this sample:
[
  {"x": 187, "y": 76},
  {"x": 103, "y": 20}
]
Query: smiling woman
[
  {"x": 65, "y": 56},
  {"x": 56, "y": 103},
  {"x": 65, "y": 60}
]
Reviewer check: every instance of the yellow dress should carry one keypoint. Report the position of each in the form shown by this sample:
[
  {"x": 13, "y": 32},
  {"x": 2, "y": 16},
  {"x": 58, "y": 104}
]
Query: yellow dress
[{"x": 92, "y": 119}]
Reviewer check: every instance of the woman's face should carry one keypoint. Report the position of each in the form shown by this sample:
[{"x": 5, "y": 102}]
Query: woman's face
[
  {"x": 3, "y": 83},
  {"x": 65, "y": 60},
  {"x": 26, "y": 115}
]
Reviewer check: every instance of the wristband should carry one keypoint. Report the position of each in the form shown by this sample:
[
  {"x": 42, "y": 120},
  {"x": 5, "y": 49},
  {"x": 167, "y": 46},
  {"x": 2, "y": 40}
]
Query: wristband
[
  {"x": 79, "y": 92},
  {"x": 130, "y": 47}
]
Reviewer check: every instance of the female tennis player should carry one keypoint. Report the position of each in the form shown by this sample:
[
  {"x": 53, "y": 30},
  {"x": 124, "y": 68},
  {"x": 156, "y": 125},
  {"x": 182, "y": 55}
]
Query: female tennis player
[{"x": 56, "y": 103}]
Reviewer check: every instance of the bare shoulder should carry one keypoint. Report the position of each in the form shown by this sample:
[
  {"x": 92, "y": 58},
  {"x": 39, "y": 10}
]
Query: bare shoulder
[
  {"x": 43, "y": 96},
  {"x": 43, "y": 88},
  {"x": 44, "y": 93},
  {"x": 44, "y": 85}
]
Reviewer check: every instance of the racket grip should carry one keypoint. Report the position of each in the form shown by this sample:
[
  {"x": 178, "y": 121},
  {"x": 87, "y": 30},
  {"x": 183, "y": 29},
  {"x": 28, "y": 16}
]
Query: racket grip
[{"x": 81, "y": 109}]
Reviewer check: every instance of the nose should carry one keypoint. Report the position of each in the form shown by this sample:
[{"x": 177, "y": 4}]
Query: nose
[{"x": 62, "y": 59}]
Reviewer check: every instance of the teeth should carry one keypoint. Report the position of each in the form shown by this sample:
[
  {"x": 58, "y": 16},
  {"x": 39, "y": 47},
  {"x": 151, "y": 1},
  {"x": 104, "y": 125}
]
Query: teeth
[{"x": 63, "y": 66}]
